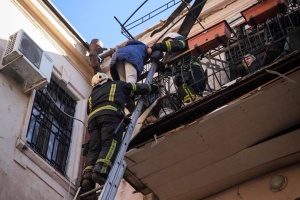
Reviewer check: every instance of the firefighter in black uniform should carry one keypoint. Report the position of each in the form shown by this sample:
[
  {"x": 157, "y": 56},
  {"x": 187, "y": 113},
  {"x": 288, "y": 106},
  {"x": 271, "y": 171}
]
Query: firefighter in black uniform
[
  {"x": 104, "y": 105},
  {"x": 190, "y": 78}
]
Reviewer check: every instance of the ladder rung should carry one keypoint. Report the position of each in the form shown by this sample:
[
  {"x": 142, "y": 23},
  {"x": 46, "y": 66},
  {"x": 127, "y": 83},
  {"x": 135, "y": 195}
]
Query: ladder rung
[
  {"x": 88, "y": 193},
  {"x": 119, "y": 166}
]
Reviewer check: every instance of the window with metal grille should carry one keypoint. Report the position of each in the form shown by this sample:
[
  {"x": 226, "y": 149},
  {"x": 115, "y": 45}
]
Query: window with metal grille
[{"x": 50, "y": 127}]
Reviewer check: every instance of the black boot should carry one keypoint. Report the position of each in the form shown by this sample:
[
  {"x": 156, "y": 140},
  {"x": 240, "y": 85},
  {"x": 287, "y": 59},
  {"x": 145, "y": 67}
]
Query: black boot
[
  {"x": 97, "y": 176},
  {"x": 87, "y": 183}
]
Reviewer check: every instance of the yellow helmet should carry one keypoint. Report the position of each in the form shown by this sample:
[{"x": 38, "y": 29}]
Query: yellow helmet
[{"x": 99, "y": 79}]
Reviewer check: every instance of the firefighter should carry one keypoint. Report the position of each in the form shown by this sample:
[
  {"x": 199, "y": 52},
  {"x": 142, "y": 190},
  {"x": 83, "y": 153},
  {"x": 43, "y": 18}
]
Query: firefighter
[
  {"x": 190, "y": 78},
  {"x": 105, "y": 108}
]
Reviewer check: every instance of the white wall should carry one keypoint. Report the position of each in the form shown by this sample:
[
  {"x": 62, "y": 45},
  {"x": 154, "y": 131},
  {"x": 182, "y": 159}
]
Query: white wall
[
  {"x": 259, "y": 188},
  {"x": 23, "y": 174}
]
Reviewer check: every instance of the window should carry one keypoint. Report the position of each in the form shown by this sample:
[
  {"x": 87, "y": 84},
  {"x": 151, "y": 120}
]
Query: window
[{"x": 50, "y": 126}]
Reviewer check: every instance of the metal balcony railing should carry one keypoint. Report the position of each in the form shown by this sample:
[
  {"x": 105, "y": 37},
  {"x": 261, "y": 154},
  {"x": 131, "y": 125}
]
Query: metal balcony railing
[{"x": 267, "y": 42}]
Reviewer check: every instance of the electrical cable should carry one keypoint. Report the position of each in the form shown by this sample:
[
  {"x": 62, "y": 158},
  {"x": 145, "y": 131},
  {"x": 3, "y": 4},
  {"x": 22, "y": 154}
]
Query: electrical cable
[{"x": 63, "y": 111}]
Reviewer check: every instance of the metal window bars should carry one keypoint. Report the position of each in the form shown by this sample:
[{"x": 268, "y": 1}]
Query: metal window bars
[{"x": 50, "y": 130}]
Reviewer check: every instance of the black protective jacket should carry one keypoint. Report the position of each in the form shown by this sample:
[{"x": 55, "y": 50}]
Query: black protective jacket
[
  {"x": 173, "y": 48},
  {"x": 111, "y": 96}
]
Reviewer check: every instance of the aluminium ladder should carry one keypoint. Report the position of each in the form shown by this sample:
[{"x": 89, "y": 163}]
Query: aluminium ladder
[
  {"x": 115, "y": 176},
  {"x": 109, "y": 190}
]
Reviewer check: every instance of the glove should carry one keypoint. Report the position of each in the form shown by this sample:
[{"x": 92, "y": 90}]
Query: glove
[
  {"x": 156, "y": 55},
  {"x": 154, "y": 88}
]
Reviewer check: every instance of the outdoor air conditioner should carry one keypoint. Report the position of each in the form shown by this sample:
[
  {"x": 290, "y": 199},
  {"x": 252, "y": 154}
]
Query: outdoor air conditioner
[{"x": 28, "y": 60}]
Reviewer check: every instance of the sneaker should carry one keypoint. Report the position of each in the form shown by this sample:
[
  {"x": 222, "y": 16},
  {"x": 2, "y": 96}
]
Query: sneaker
[{"x": 98, "y": 178}]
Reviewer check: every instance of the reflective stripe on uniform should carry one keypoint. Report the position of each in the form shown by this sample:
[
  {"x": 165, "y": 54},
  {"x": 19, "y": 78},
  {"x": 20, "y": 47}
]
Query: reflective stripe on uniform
[
  {"x": 189, "y": 95},
  {"x": 89, "y": 168},
  {"x": 90, "y": 104},
  {"x": 133, "y": 89},
  {"x": 108, "y": 107},
  {"x": 104, "y": 165},
  {"x": 112, "y": 92},
  {"x": 168, "y": 45},
  {"x": 183, "y": 43},
  {"x": 107, "y": 159}
]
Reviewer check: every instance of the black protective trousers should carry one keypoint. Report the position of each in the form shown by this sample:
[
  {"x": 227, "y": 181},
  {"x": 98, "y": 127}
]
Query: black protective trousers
[
  {"x": 190, "y": 82},
  {"x": 103, "y": 143}
]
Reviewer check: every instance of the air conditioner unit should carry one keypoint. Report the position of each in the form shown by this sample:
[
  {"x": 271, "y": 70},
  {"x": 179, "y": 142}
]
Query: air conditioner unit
[{"x": 28, "y": 60}]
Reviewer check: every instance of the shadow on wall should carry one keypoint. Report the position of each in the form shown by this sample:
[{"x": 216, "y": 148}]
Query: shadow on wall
[
  {"x": 2, "y": 47},
  {"x": 8, "y": 72}
]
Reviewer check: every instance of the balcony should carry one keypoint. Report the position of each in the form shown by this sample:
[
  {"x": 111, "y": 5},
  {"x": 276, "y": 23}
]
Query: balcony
[{"x": 212, "y": 143}]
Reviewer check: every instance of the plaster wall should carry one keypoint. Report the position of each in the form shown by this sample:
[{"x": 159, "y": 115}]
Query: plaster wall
[
  {"x": 259, "y": 188},
  {"x": 23, "y": 174},
  {"x": 255, "y": 189}
]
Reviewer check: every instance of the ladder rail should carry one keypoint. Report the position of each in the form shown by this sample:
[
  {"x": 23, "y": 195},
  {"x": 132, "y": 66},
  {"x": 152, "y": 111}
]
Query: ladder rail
[{"x": 116, "y": 174}]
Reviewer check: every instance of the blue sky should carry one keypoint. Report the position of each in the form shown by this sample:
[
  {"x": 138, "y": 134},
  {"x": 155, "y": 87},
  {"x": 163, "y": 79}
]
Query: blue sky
[{"x": 95, "y": 18}]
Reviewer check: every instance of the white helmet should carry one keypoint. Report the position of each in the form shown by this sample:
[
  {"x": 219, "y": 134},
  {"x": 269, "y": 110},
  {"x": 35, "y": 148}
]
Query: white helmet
[
  {"x": 99, "y": 79},
  {"x": 171, "y": 35}
]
